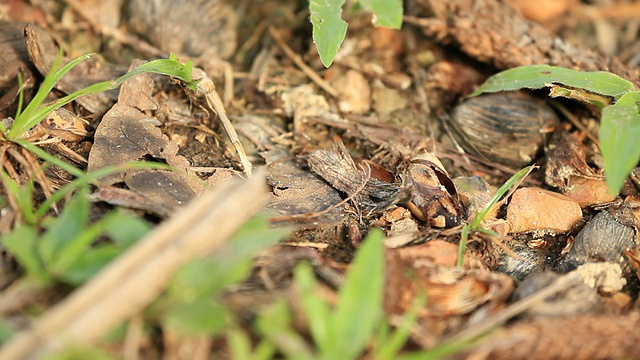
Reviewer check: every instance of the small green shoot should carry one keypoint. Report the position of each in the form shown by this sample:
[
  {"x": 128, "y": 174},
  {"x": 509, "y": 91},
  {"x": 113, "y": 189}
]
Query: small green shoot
[
  {"x": 513, "y": 181},
  {"x": 63, "y": 252},
  {"x": 344, "y": 332},
  {"x": 620, "y": 122},
  {"x": 329, "y": 30},
  {"x": 35, "y": 112}
]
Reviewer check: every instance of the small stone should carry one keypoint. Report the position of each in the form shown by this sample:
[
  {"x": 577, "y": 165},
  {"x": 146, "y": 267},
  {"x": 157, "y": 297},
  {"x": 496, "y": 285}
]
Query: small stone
[{"x": 539, "y": 211}]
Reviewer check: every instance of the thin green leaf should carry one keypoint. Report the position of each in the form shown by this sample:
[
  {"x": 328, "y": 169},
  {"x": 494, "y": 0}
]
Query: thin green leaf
[
  {"x": 317, "y": 311},
  {"x": 359, "y": 307},
  {"x": 540, "y": 76},
  {"x": 162, "y": 66},
  {"x": 23, "y": 195},
  {"x": 462, "y": 246},
  {"x": 27, "y": 119},
  {"x": 391, "y": 347},
  {"x": 329, "y": 30},
  {"x": 20, "y": 95},
  {"x": 619, "y": 134},
  {"x": 513, "y": 180},
  {"x": 387, "y": 13}
]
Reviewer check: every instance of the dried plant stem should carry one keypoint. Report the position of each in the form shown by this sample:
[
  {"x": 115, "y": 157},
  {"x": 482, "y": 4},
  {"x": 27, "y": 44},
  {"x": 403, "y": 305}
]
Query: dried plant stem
[
  {"x": 137, "y": 277},
  {"x": 207, "y": 88}
]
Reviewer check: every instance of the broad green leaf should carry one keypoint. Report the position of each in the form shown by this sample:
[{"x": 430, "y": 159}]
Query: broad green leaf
[
  {"x": 197, "y": 317},
  {"x": 21, "y": 243},
  {"x": 359, "y": 307},
  {"x": 387, "y": 13},
  {"x": 89, "y": 264},
  {"x": 329, "y": 30},
  {"x": 230, "y": 264},
  {"x": 123, "y": 228},
  {"x": 316, "y": 310},
  {"x": 540, "y": 76},
  {"x": 619, "y": 134},
  {"x": 240, "y": 346},
  {"x": 64, "y": 230}
]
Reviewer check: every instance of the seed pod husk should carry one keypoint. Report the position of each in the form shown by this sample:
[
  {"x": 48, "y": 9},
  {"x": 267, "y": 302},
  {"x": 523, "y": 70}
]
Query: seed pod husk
[
  {"x": 603, "y": 239},
  {"x": 508, "y": 128}
]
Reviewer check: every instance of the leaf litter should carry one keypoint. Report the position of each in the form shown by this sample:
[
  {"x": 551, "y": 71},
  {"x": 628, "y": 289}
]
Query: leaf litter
[{"x": 362, "y": 144}]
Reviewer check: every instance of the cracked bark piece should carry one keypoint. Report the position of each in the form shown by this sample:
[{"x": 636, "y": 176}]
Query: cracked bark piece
[
  {"x": 338, "y": 168},
  {"x": 127, "y": 134},
  {"x": 298, "y": 195}
]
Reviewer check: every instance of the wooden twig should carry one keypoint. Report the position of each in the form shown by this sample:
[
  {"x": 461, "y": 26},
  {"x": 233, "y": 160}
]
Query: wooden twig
[{"x": 299, "y": 63}]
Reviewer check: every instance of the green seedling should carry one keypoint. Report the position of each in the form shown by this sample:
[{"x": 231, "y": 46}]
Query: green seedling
[
  {"x": 35, "y": 112},
  {"x": 329, "y": 30},
  {"x": 356, "y": 324},
  {"x": 616, "y": 97},
  {"x": 63, "y": 251},
  {"x": 480, "y": 216}
]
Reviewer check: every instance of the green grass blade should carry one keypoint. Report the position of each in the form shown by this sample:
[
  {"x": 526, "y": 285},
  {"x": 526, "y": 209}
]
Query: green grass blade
[
  {"x": 513, "y": 180},
  {"x": 539, "y": 76},
  {"x": 462, "y": 246},
  {"x": 329, "y": 30},
  {"x": 317, "y": 311},
  {"x": 164, "y": 67},
  {"x": 22, "y": 195},
  {"x": 20, "y": 96},
  {"x": 388, "y": 13},
  {"x": 37, "y": 151},
  {"x": 619, "y": 134},
  {"x": 26, "y": 120},
  {"x": 359, "y": 308},
  {"x": 392, "y": 346}
]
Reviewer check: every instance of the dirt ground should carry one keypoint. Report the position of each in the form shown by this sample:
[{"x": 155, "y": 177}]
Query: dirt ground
[{"x": 385, "y": 137}]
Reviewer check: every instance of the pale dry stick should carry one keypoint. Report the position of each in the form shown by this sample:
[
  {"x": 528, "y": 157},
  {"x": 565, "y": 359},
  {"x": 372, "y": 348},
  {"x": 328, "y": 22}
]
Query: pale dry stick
[
  {"x": 562, "y": 283},
  {"x": 207, "y": 88},
  {"x": 137, "y": 277},
  {"x": 299, "y": 63}
]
